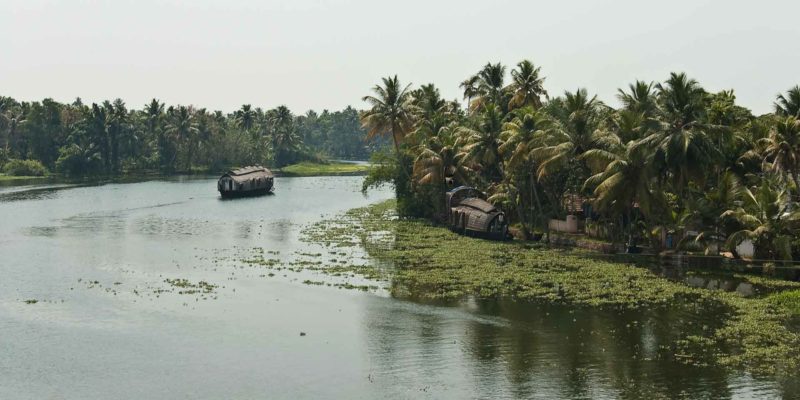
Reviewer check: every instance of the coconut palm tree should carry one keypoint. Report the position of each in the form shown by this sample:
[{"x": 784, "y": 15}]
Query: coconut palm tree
[
  {"x": 245, "y": 117},
  {"x": 782, "y": 149},
  {"x": 285, "y": 140},
  {"x": 490, "y": 86},
  {"x": 575, "y": 136},
  {"x": 624, "y": 180},
  {"x": 182, "y": 127},
  {"x": 389, "y": 112},
  {"x": 527, "y": 130},
  {"x": 768, "y": 217},
  {"x": 437, "y": 159},
  {"x": 681, "y": 143},
  {"x": 480, "y": 145},
  {"x": 527, "y": 86},
  {"x": 639, "y": 98},
  {"x": 14, "y": 119},
  {"x": 789, "y": 104},
  {"x": 470, "y": 88}
]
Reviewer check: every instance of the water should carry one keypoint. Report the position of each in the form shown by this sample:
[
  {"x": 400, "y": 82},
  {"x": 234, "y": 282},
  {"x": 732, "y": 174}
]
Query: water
[{"x": 106, "y": 323}]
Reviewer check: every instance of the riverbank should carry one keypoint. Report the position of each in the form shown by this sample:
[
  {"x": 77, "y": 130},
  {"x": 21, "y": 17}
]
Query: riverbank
[
  {"x": 431, "y": 262},
  {"x": 333, "y": 168},
  {"x": 13, "y": 178},
  {"x": 323, "y": 169}
]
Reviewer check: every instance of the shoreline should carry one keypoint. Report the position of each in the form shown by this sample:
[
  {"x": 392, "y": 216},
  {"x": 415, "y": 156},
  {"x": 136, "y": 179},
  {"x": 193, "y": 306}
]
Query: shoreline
[{"x": 304, "y": 169}]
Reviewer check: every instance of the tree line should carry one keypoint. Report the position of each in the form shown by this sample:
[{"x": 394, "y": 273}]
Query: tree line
[
  {"x": 673, "y": 158},
  {"x": 109, "y": 138}
]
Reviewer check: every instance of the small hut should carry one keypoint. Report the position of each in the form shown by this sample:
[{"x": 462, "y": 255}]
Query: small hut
[
  {"x": 470, "y": 213},
  {"x": 247, "y": 181}
]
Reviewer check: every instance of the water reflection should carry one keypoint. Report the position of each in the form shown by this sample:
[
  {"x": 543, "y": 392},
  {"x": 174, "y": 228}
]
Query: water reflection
[{"x": 546, "y": 351}]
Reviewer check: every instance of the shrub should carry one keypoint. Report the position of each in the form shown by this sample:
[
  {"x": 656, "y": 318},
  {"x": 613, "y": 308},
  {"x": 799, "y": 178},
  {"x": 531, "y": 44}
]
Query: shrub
[{"x": 25, "y": 168}]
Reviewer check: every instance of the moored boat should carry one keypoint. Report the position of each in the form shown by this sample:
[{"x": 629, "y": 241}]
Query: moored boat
[
  {"x": 471, "y": 214},
  {"x": 247, "y": 181}
]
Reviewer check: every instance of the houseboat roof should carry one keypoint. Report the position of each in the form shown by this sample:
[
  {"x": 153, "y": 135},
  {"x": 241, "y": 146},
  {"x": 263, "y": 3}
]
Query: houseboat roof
[
  {"x": 247, "y": 173},
  {"x": 249, "y": 170},
  {"x": 478, "y": 204}
]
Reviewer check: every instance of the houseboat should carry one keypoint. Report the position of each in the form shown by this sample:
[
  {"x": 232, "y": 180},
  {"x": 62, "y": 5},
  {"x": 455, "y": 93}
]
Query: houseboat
[
  {"x": 471, "y": 214},
  {"x": 247, "y": 181}
]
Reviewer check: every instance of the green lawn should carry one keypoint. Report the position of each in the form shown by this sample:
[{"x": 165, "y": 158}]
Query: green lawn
[{"x": 333, "y": 168}]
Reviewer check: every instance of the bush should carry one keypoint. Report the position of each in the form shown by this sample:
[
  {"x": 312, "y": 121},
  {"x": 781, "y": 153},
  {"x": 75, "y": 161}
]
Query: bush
[{"x": 25, "y": 168}]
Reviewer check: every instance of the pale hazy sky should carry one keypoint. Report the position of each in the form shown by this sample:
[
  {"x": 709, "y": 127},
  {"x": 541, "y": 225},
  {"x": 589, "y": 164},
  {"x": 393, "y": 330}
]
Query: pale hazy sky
[{"x": 327, "y": 54}]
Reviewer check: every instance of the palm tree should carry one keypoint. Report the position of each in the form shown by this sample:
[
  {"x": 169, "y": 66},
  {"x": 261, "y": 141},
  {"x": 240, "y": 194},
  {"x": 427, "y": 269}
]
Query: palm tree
[
  {"x": 245, "y": 117},
  {"x": 470, "y": 88},
  {"x": 285, "y": 141},
  {"x": 782, "y": 149},
  {"x": 624, "y": 180},
  {"x": 681, "y": 143},
  {"x": 527, "y": 86},
  {"x": 117, "y": 119},
  {"x": 640, "y": 98},
  {"x": 563, "y": 145},
  {"x": 480, "y": 146},
  {"x": 437, "y": 159},
  {"x": 389, "y": 113},
  {"x": 526, "y": 132},
  {"x": 430, "y": 112},
  {"x": 789, "y": 105},
  {"x": 490, "y": 85},
  {"x": 183, "y": 128},
  {"x": 769, "y": 217},
  {"x": 14, "y": 118}
]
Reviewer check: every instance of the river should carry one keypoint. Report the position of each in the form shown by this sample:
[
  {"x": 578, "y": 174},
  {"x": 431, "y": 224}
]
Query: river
[{"x": 136, "y": 291}]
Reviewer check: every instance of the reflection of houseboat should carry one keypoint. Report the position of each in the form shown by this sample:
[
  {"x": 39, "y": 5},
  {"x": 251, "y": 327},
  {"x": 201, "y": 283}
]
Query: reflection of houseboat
[
  {"x": 470, "y": 213},
  {"x": 247, "y": 181}
]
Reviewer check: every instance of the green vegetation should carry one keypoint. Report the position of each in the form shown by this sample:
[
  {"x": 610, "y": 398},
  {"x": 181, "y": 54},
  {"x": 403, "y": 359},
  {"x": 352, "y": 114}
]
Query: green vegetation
[
  {"x": 330, "y": 168},
  {"x": 673, "y": 159},
  {"x": 790, "y": 300},
  {"x": 9, "y": 178},
  {"x": 187, "y": 287},
  {"x": 430, "y": 262},
  {"x": 24, "y": 168},
  {"x": 110, "y": 139}
]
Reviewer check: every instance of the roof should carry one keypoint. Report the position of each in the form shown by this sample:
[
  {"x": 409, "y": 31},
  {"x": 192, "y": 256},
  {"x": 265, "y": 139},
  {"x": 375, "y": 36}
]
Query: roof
[
  {"x": 479, "y": 204},
  {"x": 477, "y": 220},
  {"x": 249, "y": 170},
  {"x": 247, "y": 173}
]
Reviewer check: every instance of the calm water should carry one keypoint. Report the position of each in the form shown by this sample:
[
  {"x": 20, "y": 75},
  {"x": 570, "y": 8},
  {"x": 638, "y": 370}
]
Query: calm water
[{"x": 108, "y": 324}]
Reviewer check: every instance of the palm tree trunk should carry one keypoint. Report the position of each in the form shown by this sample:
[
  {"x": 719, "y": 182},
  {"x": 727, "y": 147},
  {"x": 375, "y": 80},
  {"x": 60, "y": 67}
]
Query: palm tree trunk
[
  {"x": 525, "y": 232},
  {"x": 538, "y": 200}
]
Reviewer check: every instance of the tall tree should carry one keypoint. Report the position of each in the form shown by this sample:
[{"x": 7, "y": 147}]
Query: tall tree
[
  {"x": 789, "y": 104},
  {"x": 527, "y": 86},
  {"x": 389, "y": 112}
]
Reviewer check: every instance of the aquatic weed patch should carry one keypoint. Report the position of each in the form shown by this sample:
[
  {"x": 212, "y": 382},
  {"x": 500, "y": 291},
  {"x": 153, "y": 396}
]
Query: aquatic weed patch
[
  {"x": 430, "y": 262},
  {"x": 185, "y": 286}
]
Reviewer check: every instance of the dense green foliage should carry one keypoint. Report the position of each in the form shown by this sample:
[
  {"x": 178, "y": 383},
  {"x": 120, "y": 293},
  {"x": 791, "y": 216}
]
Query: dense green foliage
[
  {"x": 109, "y": 138},
  {"x": 24, "y": 168},
  {"x": 673, "y": 158}
]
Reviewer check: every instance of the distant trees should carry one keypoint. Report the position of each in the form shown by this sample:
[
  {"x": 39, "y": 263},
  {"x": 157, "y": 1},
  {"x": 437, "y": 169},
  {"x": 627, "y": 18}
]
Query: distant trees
[{"x": 109, "y": 138}]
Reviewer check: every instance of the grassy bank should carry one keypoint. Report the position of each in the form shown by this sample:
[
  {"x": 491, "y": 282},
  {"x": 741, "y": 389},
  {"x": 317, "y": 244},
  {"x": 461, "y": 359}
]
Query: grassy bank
[
  {"x": 318, "y": 169},
  {"x": 432, "y": 262},
  {"x": 12, "y": 178}
]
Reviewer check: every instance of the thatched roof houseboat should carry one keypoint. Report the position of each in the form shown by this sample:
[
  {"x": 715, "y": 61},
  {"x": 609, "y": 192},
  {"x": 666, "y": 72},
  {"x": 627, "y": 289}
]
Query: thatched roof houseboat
[
  {"x": 247, "y": 181},
  {"x": 470, "y": 213}
]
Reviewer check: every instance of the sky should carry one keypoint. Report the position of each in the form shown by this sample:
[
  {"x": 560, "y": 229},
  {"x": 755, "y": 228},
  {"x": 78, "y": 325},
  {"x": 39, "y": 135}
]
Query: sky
[{"x": 314, "y": 54}]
